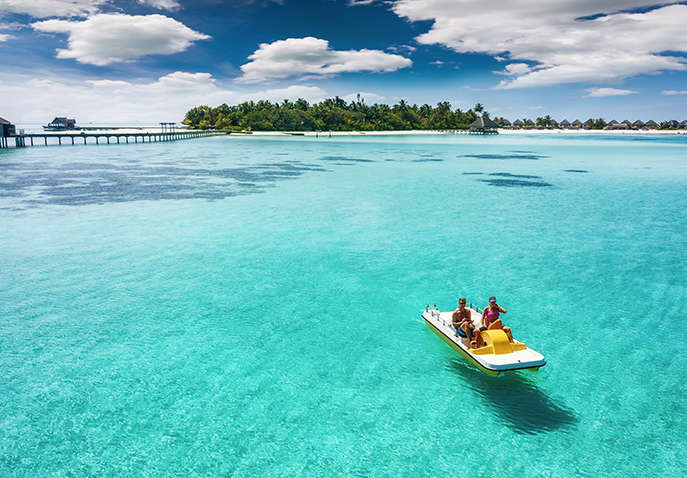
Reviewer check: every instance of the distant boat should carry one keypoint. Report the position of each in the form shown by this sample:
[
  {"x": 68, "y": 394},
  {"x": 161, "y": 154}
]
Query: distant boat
[{"x": 60, "y": 123}]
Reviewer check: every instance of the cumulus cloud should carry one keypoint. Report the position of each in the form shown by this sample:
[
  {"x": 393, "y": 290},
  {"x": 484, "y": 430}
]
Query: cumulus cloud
[
  {"x": 5, "y": 36},
  {"x": 126, "y": 102},
  {"x": 568, "y": 40},
  {"x": 108, "y": 38},
  {"x": 162, "y": 4},
  {"x": 51, "y": 8},
  {"x": 674, "y": 92},
  {"x": 515, "y": 69},
  {"x": 601, "y": 92},
  {"x": 312, "y": 57}
]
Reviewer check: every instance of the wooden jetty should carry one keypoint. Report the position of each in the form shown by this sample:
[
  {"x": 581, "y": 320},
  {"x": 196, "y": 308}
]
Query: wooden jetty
[{"x": 22, "y": 140}]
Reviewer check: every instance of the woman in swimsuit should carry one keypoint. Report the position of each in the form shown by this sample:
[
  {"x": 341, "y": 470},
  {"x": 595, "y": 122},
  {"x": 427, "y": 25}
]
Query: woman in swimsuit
[{"x": 490, "y": 317}]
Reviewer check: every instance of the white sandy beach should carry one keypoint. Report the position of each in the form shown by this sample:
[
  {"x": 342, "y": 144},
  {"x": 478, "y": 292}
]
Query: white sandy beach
[{"x": 153, "y": 130}]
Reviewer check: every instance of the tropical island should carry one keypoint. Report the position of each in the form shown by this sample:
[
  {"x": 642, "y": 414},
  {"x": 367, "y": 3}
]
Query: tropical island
[{"x": 335, "y": 114}]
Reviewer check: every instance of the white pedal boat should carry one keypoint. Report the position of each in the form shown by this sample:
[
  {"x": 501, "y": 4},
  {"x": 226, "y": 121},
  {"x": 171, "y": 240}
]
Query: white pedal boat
[{"x": 497, "y": 356}]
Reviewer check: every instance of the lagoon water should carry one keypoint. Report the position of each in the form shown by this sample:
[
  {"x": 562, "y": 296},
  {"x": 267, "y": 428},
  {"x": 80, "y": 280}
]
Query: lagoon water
[{"x": 250, "y": 306}]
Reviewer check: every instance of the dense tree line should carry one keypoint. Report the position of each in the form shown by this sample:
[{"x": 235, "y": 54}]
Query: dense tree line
[{"x": 333, "y": 114}]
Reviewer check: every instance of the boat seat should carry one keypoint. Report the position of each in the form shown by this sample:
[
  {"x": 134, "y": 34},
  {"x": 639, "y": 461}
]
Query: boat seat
[{"x": 497, "y": 343}]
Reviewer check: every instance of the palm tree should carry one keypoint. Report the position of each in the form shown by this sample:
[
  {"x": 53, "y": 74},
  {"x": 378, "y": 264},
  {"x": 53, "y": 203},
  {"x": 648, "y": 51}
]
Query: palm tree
[{"x": 479, "y": 108}]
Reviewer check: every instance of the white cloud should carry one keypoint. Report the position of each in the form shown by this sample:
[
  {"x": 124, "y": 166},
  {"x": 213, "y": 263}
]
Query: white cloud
[
  {"x": 51, "y": 8},
  {"x": 369, "y": 98},
  {"x": 162, "y": 4},
  {"x": 565, "y": 47},
  {"x": 126, "y": 102},
  {"x": 674, "y": 92},
  {"x": 5, "y": 36},
  {"x": 515, "y": 69},
  {"x": 312, "y": 57},
  {"x": 108, "y": 38},
  {"x": 601, "y": 92}
]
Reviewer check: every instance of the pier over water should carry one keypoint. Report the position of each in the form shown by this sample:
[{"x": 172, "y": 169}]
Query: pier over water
[{"x": 22, "y": 140}]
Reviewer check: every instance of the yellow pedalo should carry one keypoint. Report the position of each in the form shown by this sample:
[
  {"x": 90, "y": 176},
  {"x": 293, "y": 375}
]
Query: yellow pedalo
[{"x": 498, "y": 354}]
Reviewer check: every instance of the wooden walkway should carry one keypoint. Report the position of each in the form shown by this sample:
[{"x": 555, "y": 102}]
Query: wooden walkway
[{"x": 45, "y": 139}]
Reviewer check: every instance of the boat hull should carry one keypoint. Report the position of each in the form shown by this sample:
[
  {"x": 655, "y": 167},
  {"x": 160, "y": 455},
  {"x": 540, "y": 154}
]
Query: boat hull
[{"x": 492, "y": 364}]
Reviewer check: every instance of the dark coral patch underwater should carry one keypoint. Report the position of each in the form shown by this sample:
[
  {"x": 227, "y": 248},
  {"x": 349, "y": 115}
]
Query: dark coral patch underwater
[{"x": 504, "y": 156}]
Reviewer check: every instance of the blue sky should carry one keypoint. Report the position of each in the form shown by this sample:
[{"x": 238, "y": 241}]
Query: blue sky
[{"x": 150, "y": 60}]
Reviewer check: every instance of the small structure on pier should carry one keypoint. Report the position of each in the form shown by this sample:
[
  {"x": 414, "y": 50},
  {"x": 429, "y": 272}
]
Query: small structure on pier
[
  {"x": 483, "y": 125},
  {"x": 60, "y": 123},
  {"x": 7, "y": 129}
]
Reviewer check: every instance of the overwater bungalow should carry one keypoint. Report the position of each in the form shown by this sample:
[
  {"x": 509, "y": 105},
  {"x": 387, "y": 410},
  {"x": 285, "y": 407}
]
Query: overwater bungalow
[
  {"x": 483, "y": 125},
  {"x": 60, "y": 123},
  {"x": 577, "y": 124},
  {"x": 639, "y": 124},
  {"x": 6, "y": 128},
  {"x": 651, "y": 124},
  {"x": 565, "y": 124}
]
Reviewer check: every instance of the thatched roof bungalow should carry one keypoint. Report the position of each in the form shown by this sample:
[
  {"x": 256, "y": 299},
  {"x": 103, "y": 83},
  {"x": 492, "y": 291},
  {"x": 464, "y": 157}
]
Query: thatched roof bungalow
[
  {"x": 612, "y": 123},
  {"x": 683, "y": 124},
  {"x": 627, "y": 122},
  {"x": 518, "y": 123},
  {"x": 483, "y": 125},
  {"x": 577, "y": 124},
  {"x": 673, "y": 124},
  {"x": 639, "y": 124},
  {"x": 651, "y": 124},
  {"x": 505, "y": 123},
  {"x": 617, "y": 126},
  {"x": 565, "y": 124}
]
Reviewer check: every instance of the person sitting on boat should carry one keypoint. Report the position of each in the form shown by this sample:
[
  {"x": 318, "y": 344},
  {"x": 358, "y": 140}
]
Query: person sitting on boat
[
  {"x": 462, "y": 322},
  {"x": 491, "y": 320}
]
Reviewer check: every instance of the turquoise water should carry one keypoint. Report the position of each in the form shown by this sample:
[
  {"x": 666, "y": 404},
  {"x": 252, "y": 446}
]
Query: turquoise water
[{"x": 250, "y": 306}]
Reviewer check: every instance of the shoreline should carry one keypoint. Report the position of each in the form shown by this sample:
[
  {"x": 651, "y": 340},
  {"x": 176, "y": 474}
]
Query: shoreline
[
  {"x": 444, "y": 132},
  {"x": 152, "y": 130}
]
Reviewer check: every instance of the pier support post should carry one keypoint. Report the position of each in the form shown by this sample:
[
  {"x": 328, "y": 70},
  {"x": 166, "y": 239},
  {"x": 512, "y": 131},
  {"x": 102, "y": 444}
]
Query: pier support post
[
  {"x": 72, "y": 140},
  {"x": 84, "y": 140},
  {"x": 108, "y": 140},
  {"x": 59, "y": 140},
  {"x": 45, "y": 138},
  {"x": 96, "y": 140}
]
